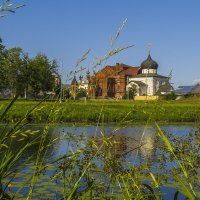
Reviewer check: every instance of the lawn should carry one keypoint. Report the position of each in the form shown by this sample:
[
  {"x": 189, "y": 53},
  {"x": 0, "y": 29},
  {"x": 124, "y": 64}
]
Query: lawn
[{"x": 119, "y": 111}]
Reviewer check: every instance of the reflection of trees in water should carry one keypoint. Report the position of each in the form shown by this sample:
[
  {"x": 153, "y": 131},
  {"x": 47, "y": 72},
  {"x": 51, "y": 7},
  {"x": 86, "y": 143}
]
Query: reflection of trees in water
[{"x": 126, "y": 142}]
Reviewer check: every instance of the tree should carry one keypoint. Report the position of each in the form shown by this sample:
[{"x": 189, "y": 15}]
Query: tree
[
  {"x": 165, "y": 88},
  {"x": 171, "y": 96},
  {"x": 67, "y": 93},
  {"x": 13, "y": 70},
  {"x": 3, "y": 57},
  {"x": 81, "y": 92},
  {"x": 17, "y": 71},
  {"x": 42, "y": 72},
  {"x": 20, "y": 75},
  {"x": 132, "y": 90}
]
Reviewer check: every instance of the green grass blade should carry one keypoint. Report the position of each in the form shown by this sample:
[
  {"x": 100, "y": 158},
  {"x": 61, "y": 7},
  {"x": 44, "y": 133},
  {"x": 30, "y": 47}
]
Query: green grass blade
[
  {"x": 185, "y": 189},
  {"x": 152, "y": 191},
  {"x": 8, "y": 107},
  {"x": 176, "y": 195}
]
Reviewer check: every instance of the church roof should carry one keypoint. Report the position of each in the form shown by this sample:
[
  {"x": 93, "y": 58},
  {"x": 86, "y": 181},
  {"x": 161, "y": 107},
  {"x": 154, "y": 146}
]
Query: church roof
[
  {"x": 149, "y": 63},
  {"x": 121, "y": 68},
  {"x": 149, "y": 75},
  {"x": 74, "y": 81},
  {"x": 131, "y": 71}
]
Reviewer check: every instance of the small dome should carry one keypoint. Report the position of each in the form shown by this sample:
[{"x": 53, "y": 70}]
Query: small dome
[
  {"x": 74, "y": 81},
  {"x": 149, "y": 63}
]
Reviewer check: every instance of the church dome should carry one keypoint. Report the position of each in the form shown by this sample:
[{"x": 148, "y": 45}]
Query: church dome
[
  {"x": 74, "y": 81},
  {"x": 149, "y": 63}
]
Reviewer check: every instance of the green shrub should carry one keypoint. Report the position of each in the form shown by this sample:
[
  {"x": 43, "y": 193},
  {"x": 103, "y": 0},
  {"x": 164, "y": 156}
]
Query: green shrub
[{"x": 170, "y": 96}]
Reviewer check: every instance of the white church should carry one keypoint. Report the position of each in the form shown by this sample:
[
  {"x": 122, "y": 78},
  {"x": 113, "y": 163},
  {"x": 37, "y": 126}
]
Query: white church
[{"x": 148, "y": 82}]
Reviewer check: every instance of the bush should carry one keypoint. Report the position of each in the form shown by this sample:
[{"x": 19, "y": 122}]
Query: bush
[
  {"x": 170, "y": 96},
  {"x": 81, "y": 93}
]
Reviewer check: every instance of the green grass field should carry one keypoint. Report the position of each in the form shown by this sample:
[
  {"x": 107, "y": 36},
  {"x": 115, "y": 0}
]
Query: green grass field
[{"x": 187, "y": 110}]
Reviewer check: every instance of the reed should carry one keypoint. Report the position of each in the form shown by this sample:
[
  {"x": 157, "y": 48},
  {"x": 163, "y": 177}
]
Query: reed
[{"x": 97, "y": 169}]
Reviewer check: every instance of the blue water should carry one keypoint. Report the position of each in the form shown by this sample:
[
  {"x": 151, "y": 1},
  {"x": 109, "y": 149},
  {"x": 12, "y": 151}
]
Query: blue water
[{"x": 129, "y": 137}]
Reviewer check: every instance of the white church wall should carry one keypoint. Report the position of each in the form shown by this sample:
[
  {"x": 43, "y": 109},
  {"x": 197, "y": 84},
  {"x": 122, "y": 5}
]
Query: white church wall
[
  {"x": 158, "y": 82},
  {"x": 148, "y": 81},
  {"x": 153, "y": 84}
]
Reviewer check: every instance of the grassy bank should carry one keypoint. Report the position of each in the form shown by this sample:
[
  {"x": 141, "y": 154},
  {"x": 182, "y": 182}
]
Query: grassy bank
[
  {"x": 97, "y": 167},
  {"x": 186, "y": 110}
]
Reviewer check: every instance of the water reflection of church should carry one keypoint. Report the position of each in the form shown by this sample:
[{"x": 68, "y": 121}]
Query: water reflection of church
[
  {"x": 132, "y": 143},
  {"x": 115, "y": 81},
  {"x": 141, "y": 142}
]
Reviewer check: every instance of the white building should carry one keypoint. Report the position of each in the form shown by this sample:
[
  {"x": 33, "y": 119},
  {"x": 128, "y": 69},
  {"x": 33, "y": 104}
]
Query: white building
[
  {"x": 148, "y": 82},
  {"x": 83, "y": 85}
]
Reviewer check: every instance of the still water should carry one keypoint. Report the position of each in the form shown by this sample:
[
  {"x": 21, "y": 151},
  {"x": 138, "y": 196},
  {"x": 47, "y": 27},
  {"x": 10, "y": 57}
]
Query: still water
[{"x": 138, "y": 144}]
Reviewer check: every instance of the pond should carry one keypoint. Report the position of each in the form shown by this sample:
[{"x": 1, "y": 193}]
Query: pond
[{"x": 129, "y": 146}]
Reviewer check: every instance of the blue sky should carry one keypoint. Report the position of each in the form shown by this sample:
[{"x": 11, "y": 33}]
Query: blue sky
[{"x": 65, "y": 29}]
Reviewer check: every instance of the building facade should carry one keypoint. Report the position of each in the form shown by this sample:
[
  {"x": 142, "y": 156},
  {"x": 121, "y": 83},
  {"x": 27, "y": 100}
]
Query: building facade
[
  {"x": 148, "y": 82},
  {"x": 111, "y": 81},
  {"x": 115, "y": 81}
]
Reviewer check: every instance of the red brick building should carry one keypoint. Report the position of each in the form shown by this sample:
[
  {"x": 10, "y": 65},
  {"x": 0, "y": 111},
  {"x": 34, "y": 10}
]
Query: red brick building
[
  {"x": 111, "y": 81},
  {"x": 115, "y": 81}
]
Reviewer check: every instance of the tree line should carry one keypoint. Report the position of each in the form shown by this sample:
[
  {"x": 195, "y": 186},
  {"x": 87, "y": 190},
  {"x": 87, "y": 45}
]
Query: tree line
[{"x": 25, "y": 76}]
